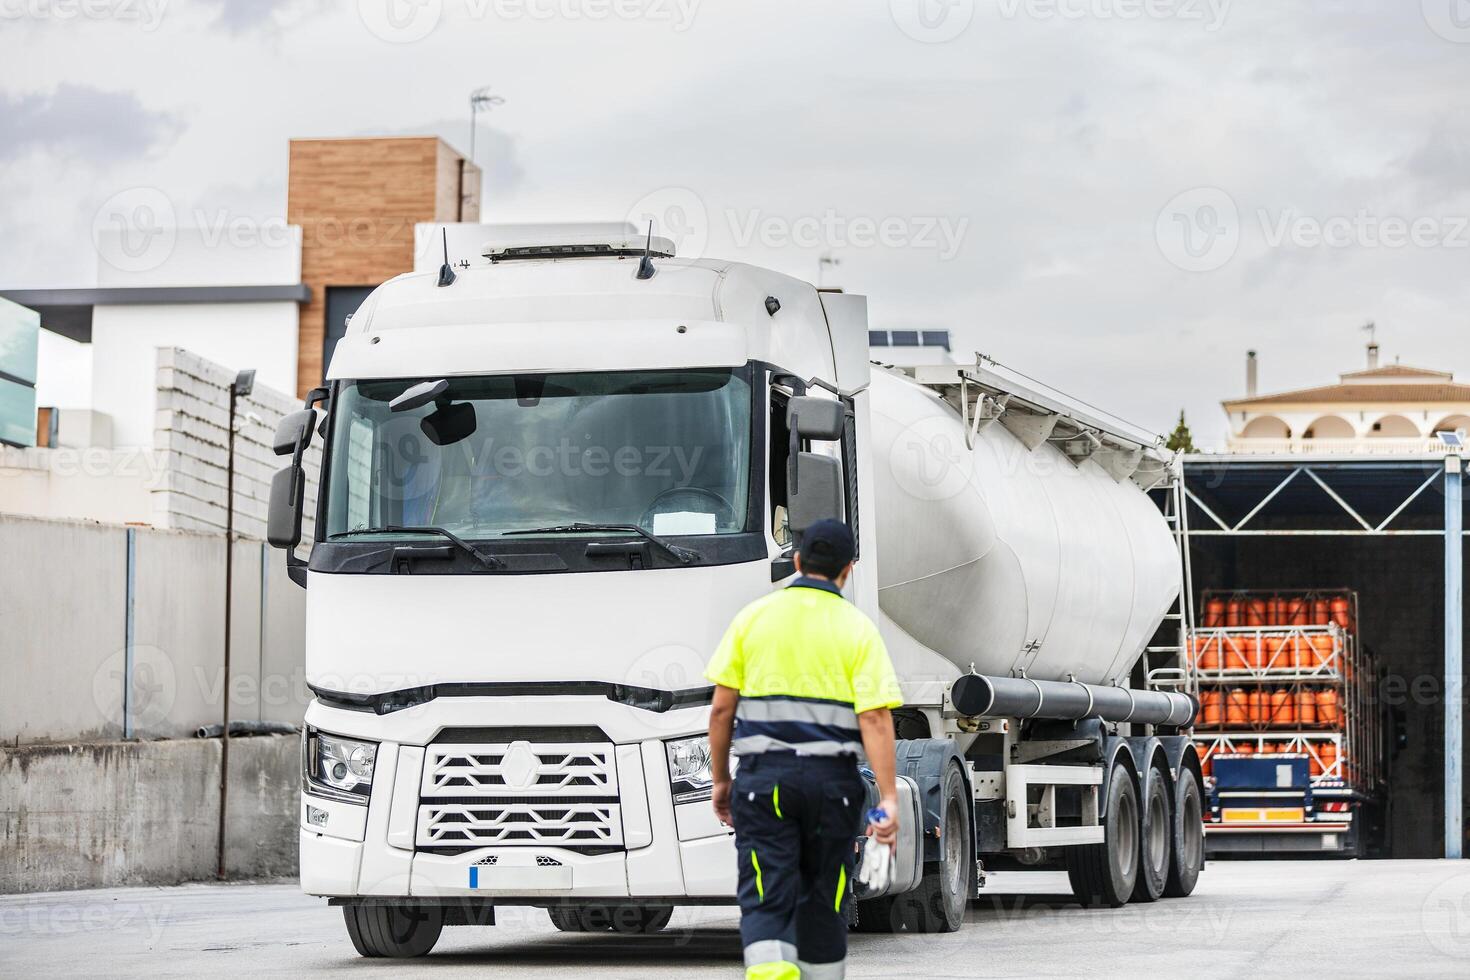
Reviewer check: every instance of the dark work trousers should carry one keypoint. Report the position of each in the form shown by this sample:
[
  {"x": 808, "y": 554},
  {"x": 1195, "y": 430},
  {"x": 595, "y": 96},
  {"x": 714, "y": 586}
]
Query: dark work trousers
[{"x": 796, "y": 821}]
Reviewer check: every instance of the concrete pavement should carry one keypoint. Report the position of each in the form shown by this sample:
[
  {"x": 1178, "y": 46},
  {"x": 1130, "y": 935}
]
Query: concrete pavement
[{"x": 1324, "y": 918}]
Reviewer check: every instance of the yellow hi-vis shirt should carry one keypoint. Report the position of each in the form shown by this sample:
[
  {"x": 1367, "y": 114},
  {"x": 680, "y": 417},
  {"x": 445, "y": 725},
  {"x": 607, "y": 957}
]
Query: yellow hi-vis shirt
[{"x": 806, "y": 663}]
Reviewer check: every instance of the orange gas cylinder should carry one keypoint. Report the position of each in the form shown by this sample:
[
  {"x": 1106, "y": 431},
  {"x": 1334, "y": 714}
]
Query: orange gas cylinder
[
  {"x": 1328, "y": 752},
  {"x": 1234, "y": 612},
  {"x": 1214, "y": 614},
  {"x": 1258, "y": 707},
  {"x": 1297, "y": 611},
  {"x": 1205, "y": 766},
  {"x": 1321, "y": 612},
  {"x": 1207, "y": 652},
  {"x": 1236, "y": 709},
  {"x": 1306, "y": 708},
  {"x": 1323, "y": 646},
  {"x": 1342, "y": 612},
  {"x": 1212, "y": 708},
  {"x": 1283, "y": 708},
  {"x": 1245, "y": 748},
  {"x": 1314, "y": 764},
  {"x": 1327, "y": 714},
  {"x": 1275, "y": 611},
  {"x": 1255, "y": 612},
  {"x": 1275, "y": 652},
  {"x": 1237, "y": 653}
]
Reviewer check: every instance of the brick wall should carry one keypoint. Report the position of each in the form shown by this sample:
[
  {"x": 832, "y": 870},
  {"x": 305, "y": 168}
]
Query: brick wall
[{"x": 190, "y": 437}]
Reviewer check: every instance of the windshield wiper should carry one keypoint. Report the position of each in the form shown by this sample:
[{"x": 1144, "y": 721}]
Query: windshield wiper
[
  {"x": 684, "y": 555},
  {"x": 489, "y": 561}
]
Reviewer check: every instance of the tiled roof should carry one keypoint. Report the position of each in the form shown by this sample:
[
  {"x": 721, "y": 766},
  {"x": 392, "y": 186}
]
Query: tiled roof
[
  {"x": 1359, "y": 393},
  {"x": 1398, "y": 371}
]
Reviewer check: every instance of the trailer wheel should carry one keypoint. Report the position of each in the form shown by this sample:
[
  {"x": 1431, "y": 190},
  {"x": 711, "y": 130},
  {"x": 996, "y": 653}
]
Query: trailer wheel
[
  {"x": 1104, "y": 874},
  {"x": 1189, "y": 835},
  {"x": 939, "y": 903},
  {"x": 1156, "y": 838},
  {"x": 398, "y": 931}
]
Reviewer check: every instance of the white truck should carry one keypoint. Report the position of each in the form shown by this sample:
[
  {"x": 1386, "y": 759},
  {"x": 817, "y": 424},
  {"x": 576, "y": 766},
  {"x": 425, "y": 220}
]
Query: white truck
[{"x": 550, "y": 479}]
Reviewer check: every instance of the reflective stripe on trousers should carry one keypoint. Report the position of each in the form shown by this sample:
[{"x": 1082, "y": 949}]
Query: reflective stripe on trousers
[{"x": 769, "y": 959}]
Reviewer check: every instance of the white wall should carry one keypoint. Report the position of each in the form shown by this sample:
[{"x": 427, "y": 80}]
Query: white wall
[
  {"x": 245, "y": 253},
  {"x": 63, "y": 372},
  {"x": 235, "y": 335}
]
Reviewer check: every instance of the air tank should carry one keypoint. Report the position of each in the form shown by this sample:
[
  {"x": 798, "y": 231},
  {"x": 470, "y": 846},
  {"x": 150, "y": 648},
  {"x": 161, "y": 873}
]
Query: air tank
[{"x": 1006, "y": 558}]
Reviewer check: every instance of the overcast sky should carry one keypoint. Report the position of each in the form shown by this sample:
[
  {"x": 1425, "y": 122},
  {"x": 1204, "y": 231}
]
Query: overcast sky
[{"x": 1117, "y": 196}]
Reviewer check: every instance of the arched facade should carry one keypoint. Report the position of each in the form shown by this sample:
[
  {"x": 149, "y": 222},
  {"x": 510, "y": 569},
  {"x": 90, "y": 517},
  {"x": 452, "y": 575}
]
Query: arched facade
[
  {"x": 1393, "y": 427},
  {"x": 1266, "y": 427},
  {"x": 1330, "y": 427},
  {"x": 1452, "y": 423}
]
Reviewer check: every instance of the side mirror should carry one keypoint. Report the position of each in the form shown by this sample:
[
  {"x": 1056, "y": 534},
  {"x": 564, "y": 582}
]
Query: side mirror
[
  {"x": 283, "y": 518},
  {"x": 816, "y": 493},
  {"x": 294, "y": 431},
  {"x": 816, "y": 418}
]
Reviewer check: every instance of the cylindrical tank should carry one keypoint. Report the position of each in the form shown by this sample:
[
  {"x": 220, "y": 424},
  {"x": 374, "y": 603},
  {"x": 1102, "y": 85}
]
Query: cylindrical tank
[{"x": 1009, "y": 559}]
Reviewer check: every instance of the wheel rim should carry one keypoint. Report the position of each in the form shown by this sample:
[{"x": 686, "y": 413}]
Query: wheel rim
[
  {"x": 1192, "y": 829},
  {"x": 1125, "y": 832},
  {"x": 1158, "y": 831}
]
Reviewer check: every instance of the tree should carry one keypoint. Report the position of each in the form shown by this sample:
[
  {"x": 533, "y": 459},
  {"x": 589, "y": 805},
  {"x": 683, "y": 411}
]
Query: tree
[{"x": 1181, "y": 439}]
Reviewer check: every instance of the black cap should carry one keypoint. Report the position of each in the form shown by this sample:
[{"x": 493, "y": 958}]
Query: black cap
[{"x": 827, "y": 547}]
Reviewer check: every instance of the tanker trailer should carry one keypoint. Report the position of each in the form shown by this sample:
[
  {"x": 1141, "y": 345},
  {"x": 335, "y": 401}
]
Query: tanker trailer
[{"x": 1022, "y": 571}]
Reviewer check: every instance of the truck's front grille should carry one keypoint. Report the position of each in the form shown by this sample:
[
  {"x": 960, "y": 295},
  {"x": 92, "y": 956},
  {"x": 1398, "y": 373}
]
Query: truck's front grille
[
  {"x": 570, "y": 823},
  {"x": 561, "y": 794},
  {"x": 520, "y": 769}
]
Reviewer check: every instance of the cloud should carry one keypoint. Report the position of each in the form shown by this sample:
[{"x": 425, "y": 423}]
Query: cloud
[
  {"x": 244, "y": 16},
  {"x": 85, "y": 122}
]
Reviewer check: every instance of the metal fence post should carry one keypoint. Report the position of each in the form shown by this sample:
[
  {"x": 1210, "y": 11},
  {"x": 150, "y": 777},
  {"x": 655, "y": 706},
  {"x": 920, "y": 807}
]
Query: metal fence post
[
  {"x": 1454, "y": 686},
  {"x": 129, "y": 621}
]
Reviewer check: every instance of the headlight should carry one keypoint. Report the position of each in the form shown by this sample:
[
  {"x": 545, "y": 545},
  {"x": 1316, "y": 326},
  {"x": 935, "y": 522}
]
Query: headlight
[
  {"x": 337, "y": 768},
  {"x": 689, "y": 769}
]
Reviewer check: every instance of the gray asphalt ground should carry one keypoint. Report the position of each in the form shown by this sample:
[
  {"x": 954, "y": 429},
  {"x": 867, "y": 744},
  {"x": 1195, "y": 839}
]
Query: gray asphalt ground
[{"x": 1248, "y": 920}]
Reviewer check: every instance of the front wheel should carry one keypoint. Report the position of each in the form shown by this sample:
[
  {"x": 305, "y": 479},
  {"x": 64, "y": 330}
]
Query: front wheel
[
  {"x": 398, "y": 931},
  {"x": 939, "y": 903}
]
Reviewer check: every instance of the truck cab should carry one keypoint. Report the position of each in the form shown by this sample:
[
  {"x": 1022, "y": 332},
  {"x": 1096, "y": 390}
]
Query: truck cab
[{"x": 548, "y": 482}]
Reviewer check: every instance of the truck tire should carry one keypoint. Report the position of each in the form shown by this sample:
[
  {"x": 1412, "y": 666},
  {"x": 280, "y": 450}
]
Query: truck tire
[
  {"x": 939, "y": 903},
  {"x": 1156, "y": 838},
  {"x": 1188, "y": 857},
  {"x": 633, "y": 920},
  {"x": 580, "y": 918},
  {"x": 399, "y": 931},
  {"x": 1104, "y": 874}
]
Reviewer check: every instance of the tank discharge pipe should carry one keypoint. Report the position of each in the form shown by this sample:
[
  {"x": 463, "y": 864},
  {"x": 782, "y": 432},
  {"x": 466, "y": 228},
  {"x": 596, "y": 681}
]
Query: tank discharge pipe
[{"x": 977, "y": 695}]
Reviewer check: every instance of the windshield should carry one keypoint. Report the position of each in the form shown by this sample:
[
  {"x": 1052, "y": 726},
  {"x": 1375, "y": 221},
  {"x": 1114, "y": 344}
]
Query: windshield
[{"x": 668, "y": 451}]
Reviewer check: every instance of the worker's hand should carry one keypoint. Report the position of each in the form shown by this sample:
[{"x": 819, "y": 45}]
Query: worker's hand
[
  {"x": 721, "y": 799},
  {"x": 887, "y": 831}
]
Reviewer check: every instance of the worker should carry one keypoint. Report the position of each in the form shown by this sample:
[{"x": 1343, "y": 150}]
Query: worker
[{"x": 803, "y": 686}]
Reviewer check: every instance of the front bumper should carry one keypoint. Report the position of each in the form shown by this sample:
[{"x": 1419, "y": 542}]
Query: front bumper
[{"x": 664, "y": 851}]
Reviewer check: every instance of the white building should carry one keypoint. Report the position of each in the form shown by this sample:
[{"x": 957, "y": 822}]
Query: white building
[{"x": 1393, "y": 408}]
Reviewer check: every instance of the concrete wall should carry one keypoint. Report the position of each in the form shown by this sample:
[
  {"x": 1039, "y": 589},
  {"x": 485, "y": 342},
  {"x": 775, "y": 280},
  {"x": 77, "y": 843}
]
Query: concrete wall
[
  {"x": 145, "y": 813},
  {"x": 64, "y": 616}
]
